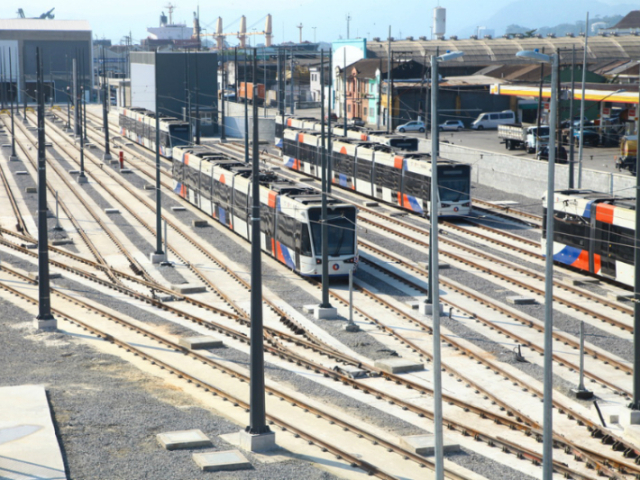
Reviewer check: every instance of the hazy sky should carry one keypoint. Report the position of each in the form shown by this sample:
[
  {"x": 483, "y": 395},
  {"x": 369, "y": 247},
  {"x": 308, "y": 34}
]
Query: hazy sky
[{"x": 114, "y": 18}]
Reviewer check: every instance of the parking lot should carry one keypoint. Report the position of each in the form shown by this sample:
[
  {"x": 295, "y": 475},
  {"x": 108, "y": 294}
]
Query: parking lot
[{"x": 594, "y": 158}]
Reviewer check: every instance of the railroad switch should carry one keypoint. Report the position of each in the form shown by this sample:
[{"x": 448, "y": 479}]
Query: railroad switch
[{"x": 518, "y": 353}]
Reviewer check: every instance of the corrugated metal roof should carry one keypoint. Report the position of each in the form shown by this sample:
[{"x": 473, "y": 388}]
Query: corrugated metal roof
[
  {"x": 44, "y": 25},
  {"x": 502, "y": 50}
]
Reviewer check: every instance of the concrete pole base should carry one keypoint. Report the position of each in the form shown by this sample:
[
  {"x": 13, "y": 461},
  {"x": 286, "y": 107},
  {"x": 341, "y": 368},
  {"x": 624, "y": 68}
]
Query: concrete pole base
[
  {"x": 45, "y": 325},
  {"x": 13, "y": 158},
  {"x": 157, "y": 257},
  {"x": 263, "y": 442},
  {"x": 106, "y": 157},
  {"x": 326, "y": 313},
  {"x": 351, "y": 327},
  {"x": 82, "y": 179},
  {"x": 582, "y": 394},
  {"x": 427, "y": 308}
]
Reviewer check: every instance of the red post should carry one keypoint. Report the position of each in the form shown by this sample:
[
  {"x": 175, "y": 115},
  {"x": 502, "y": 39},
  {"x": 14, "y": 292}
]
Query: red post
[{"x": 121, "y": 159}]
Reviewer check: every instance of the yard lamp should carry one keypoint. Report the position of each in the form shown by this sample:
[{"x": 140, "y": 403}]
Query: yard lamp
[
  {"x": 433, "y": 260},
  {"x": 547, "y": 436},
  {"x": 581, "y": 141}
]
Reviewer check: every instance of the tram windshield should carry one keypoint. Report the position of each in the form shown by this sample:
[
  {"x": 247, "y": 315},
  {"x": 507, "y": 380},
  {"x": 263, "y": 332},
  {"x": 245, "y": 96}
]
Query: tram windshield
[
  {"x": 454, "y": 183},
  {"x": 342, "y": 230},
  {"x": 179, "y": 135}
]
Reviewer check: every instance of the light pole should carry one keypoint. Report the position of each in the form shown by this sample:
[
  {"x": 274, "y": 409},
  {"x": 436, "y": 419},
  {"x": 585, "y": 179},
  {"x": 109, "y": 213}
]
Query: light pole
[
  {"x": 433, "y": 258},
  {"x": 581, "y": 143},
  {"x": 547, "y": 418}
]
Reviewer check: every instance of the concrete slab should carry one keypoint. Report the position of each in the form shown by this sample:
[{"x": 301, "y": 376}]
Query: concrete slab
[
  {"x": 352, "y": 372},
  {"x": 326, "y": 313},
  {"x": 22, "y": 172},
  {"x": 45, "y": 325},
  {"x": 263, "y": 442},
  {"x": 30, "y": 190},
  {"x": 111, "y": 210},
  {"x": 126, "y": 170},
  {"x": 74, "y": 172},
  {"x": 186, "y": 289},
  {"x": 584, "y": 281},
  {"x": 28, "y": 444},
  {"x": 427, "y": 308},
  {"x": 179, "y": 209},
  {"x": 521, "y": 300},
  {"x": 148, "y": 186},
  {"x": 82, "y": 179},
  {"x": 199, "y": 223},
  {"x": 425, "y": 444},
  {"x": 197, "y": 343},
  {"x": 619, "y": 297},
  {"x": 306, "y": 180},
  {"x": 229, "y": 460},
  {"x": 183, "y": 439},
  {"x": 36, "y": 277},
  {"x": 398, "y": 365},
  {"x": 441, "y": 265},
  {"x": 371, "y": 204},
  {"x": 62, "y": 241},
  {"x": 157, "y": 257}
]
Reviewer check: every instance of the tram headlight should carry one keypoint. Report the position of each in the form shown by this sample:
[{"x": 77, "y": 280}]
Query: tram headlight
[
  {"x": 445, "y": 205},
  {"x": 318, "y": 261}
]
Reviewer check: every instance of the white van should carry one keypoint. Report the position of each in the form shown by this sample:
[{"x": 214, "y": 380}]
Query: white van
[{"x": 493, "y": 119}]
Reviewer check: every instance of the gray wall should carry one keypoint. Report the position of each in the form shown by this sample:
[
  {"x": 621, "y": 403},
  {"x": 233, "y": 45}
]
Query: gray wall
[
  {"x": 173, "y": 71},
  {"x": 526, "y": 176}
]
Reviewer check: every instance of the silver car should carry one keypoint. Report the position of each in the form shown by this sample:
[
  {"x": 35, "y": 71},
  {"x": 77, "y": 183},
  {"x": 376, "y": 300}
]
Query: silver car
[
  {"x": 413, "y": 126},
  {"x": 455, "y": 125}
]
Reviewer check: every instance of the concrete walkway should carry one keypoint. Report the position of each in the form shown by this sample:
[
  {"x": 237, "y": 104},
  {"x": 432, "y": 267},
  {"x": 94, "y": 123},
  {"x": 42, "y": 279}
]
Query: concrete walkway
[{"x": 28, "y": 444}]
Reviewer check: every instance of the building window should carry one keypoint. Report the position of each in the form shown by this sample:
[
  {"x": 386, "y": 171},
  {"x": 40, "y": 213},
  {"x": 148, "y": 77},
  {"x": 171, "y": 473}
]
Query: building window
[
  {"x": 349, "y": 108},
  {"x": 365, "y": 111}
]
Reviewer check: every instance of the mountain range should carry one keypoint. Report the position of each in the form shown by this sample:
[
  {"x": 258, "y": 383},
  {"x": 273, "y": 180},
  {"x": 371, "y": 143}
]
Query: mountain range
[{"x": 545, "y": 13}]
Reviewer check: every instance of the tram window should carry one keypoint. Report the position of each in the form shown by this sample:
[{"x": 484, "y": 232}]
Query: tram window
[
  {"x": 121, "y": 120},
  {"x": 415, "y": 184},
  {"x": 177, "y": 170},
  {"x": 388, "y": 177},
  {"x": 266, "y": 220},
  {"x": 364, "y": 169},
  {"x": 305, "y": 240},
  {"x": 622, "y": 243},
  {"x": 285, "y": 229},
  {"x": 571, "y": 230},
  {"x": 289, "y": 148},
  {"x": 205, "y": 185},
  {"x": 240, "y": 204},
  {"x": 343, "y": 163}
]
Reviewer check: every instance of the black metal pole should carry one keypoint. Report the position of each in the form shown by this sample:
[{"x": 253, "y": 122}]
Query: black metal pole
[
  {"x": 571, "y": 142},
  {"x": 106, "y": 93},
  {"x": 539, "y": 106},
  {"x": 82, "y": 177},
  {"x": 44, "y": 300},
  {"x": 24, "y": 112},
  {"x": 13, "y": 126},
  {"x": 223, "y": 131},
  {"x": 246, "y": 112},
  {"x": 325, "y": 230},
  {"x": 329, "y": 130},
  {"x": 188, "y": 94},
  {"x": 83, "y": 101},
  {"x": 257, "y": 414},
  {"x": 197, "y": 104},
  {"x": 157, "y": 153},
  {"x": 636, "y": 284}
]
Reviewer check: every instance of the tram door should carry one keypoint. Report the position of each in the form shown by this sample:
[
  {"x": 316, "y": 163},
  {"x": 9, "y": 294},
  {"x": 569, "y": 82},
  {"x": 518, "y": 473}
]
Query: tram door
[{"x": 604, "y": 248}]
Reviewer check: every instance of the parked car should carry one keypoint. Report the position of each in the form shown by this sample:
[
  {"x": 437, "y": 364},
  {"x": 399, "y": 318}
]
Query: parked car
[
  {"x": 414, "y": 126},
  {"x": 356, "y": 122},
  {"x": 490, "y": 120},
  {"x": 591, "y": 137},
  {"x": 561, "y": 154},
  {"x": 333, "y": 116},
  {"x": 456, "y": 125}
]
